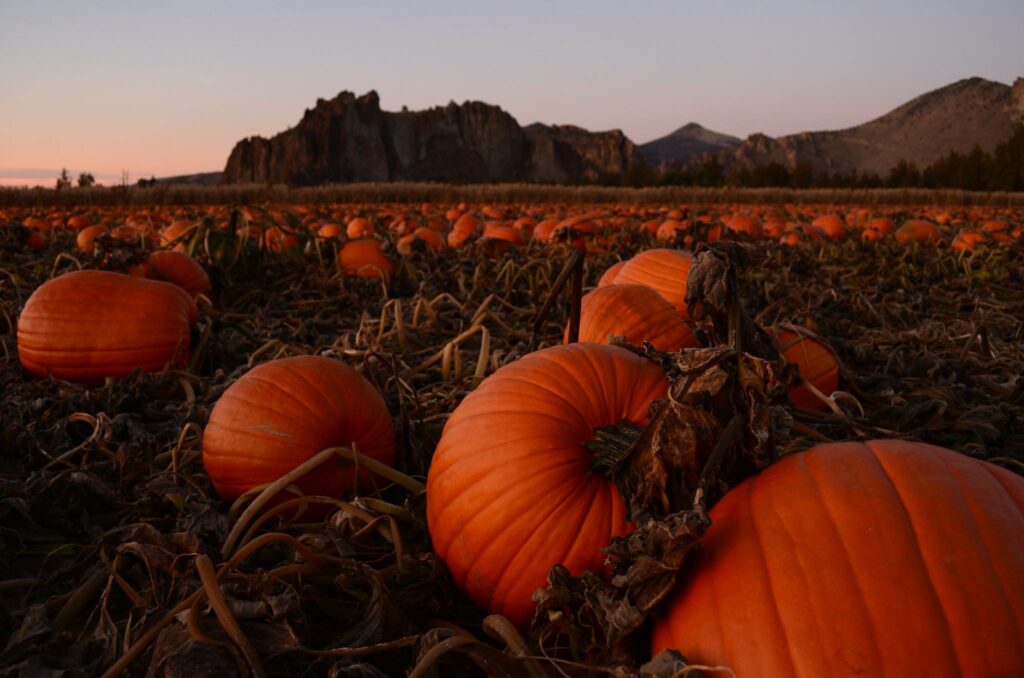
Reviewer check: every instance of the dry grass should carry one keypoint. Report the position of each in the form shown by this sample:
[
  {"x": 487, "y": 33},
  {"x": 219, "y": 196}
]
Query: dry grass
[{"x": 489, "y": 193}]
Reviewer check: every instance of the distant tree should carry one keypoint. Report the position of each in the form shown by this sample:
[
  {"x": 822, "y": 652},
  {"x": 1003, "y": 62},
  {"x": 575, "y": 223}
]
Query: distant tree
[
  {"x": 146, "y": 183},
  {"x": 86, "y": 179},
  {"x": 64, "y": 180}
]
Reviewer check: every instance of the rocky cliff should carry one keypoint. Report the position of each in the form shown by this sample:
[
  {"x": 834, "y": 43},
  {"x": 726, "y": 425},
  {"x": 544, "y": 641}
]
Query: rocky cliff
[
  {"x": 350, "y": 139},
  {"x": 923, "y": 130}
]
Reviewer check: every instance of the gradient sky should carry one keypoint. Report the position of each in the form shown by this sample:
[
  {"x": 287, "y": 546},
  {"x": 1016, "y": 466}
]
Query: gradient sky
[{"x": 168, "y": 89}]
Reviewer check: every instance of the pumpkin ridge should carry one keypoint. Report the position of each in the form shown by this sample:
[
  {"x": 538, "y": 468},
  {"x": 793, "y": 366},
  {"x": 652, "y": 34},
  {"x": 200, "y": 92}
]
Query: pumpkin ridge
[
  {"x": 334, "y": 400},
  {"x": 763, "y": 560},
  {"x": 920, "y": 554},
  {"x": 306, "y": 409},
  {"x": 988, "y": 559},
  {"x": 538, "y": 532},
  {"x": 566, "y": 377},
  {"x": 102, "y": 349},
  {"x": 489, "y": 473},
  {"x": 993, "y": 471},
  {"x": 281, "y": 390},
  {"x": 533, "y": 409},
  {"x": 479, "y": 556},
  {"x": 847, "y": 553}
]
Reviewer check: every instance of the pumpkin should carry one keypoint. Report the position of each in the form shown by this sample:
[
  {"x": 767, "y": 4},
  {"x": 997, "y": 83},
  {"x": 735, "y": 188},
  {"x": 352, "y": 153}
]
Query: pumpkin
[
  {"x": 494, "y": 230},
  {"x": 86, "y": 238},
  {"x": 329, "y": 232},
  {"x": 878, "y": 558},
  {"x": 635, "y": 312},
  {"x": 88, "y": 325},
  {"x": 830, "y": 226},
  {"x": 281, "y": 413},
  {"x": 177, "y": 268},
  {"x": 919, "y": 230},
  {"x": 609, "y": 276},
  {"x": 967, "y": 241},
  {"x": 363, "y": 259},
  {"x": 277, "y": 239},
  {"x": 815, "y": 361},
  {"x": 662, "y": 270},
  {"x": 511, "y": 491},
  {"x": 359, "y": 228},
  {"x": 432, "y": 240},
  {"x": 545, "y": 230},
  {"x": 747, "y": 225},
  {"x": 177, "y": 233}
]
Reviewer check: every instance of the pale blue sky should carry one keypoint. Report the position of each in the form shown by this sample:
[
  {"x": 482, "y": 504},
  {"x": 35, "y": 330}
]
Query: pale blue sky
[{"x": 169, "y": 88}]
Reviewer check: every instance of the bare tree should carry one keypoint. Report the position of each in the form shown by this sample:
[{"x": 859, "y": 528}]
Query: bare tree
[
  {"x": 86, "y": 179},
  {"x": 64, "y": 180}
]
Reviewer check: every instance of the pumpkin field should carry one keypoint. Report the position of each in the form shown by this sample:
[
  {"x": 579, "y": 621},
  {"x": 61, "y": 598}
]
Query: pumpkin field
[{"x": 558, "y": 437}]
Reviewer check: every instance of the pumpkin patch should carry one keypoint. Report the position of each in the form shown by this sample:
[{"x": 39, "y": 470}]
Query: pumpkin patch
[{"x": 478, "y": 429}]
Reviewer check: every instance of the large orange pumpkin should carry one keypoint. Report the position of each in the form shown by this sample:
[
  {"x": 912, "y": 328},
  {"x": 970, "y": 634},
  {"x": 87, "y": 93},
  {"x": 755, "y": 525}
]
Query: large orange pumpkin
[
  {"x": 511, "y": 491},
  {"x": 281, "y": 413},
  {"x": 879, "y": 558},
  {"x": 663, "y": 270},
  {"x": 89, "y": 325},
  {"x": 815, "y": 361},
  {"x": 635, "y": 312}
]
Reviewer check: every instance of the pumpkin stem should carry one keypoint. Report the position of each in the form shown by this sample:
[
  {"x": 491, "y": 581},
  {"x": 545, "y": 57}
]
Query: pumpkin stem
[{"x": 611, "y": 444}]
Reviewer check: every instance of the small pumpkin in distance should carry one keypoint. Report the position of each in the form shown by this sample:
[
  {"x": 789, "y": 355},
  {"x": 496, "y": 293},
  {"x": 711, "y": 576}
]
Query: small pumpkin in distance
[
  {"x": 281, "y": 413},
  {"x": 635, "y": 312},
  {"x": 511, "y": 490},
  {"x": 884, "y": 557},
  {"x": 817, "y": 364},
  {"x": 89, "y": 325},
  {"x": 364, "y": 259},
  {"x": 177, "y": 268}
]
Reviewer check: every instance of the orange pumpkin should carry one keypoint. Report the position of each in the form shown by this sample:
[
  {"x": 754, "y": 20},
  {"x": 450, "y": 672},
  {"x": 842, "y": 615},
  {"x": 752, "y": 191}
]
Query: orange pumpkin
[
  {"x": 281, "y": 413},
  {"x": 86, "y": 238},
  {"x": 967, "y": 241},
  {"x": 830, "y": 226},
  {"x": 359, "y": 228},
  {"x": 363, "y": 259},
  {"x": 919, "y": 230},
  {"x": 665, "y": 271},
  {"x": 511, "y": 490},
  {"x": 879, "y": 558},
  {"x": 177, "y": 268},
  {"x": 635, "y": 312},
  {"x": 88, "y": 325},
  {"x": 609, "y": 276},
  {"x": 815, "y": 361}
]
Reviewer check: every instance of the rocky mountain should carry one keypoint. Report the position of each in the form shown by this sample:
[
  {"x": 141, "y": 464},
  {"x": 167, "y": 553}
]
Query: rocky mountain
[
  {"x": 952, "y": 118},
  {"x": 350, "y": 139},
  {"x": 685, "y": 144}
]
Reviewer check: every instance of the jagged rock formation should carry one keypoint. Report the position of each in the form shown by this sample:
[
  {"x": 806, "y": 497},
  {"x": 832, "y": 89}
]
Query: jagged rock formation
[
  {"x": 923, "y": 130},
  {"x": 350, "y": 139},
  {"x": 685, "y": 144}
]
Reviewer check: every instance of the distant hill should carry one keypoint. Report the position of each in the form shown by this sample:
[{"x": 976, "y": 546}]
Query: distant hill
[
  {"x": 956, "y": 117},
  {"x": 685, "y": 144},
  {"x": 349, "y": 139},
  {"x": 201, "y": 179}
]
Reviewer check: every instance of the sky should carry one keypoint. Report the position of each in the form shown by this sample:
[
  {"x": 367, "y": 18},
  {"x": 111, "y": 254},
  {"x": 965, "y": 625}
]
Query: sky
[{"x": 168, "y": 89}]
